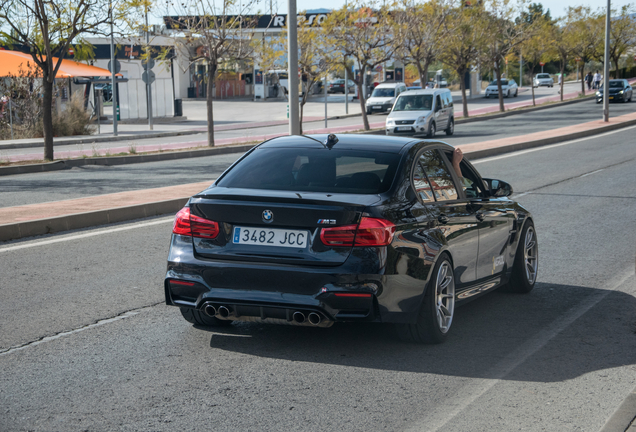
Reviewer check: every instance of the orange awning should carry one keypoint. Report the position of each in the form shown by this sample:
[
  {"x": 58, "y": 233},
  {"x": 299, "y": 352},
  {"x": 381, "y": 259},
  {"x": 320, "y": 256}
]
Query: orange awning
[{"x": 12, "y": 61}]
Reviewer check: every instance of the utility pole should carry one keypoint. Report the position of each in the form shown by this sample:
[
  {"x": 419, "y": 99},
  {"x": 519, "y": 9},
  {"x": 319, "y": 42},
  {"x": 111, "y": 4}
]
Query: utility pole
[
  {"x": 292, "y": 55},
  {"x": 606, "y": 65},
  {"x": 148, "y": 83},
  {"x": 520, "y": 69},
  {"x": 113, "y": 70}
]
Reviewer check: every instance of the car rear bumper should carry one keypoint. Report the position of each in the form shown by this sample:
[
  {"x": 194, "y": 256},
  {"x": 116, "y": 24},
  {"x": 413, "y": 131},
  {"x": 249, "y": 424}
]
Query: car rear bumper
[
  {"x": 379, "y": 107},
  {"x": 358, "y": 290}
]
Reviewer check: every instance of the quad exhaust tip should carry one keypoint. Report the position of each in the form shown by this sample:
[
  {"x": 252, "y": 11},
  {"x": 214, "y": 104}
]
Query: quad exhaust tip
[
  {"x": 209, "y": 310},
  {"x": 223, "y": 312},
  {"x": 314, "y": 318}
]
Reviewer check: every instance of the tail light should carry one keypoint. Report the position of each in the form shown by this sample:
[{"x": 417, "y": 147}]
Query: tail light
[
  {"x": 195, "y": 226},
  {"x": 370, "y": 232}
]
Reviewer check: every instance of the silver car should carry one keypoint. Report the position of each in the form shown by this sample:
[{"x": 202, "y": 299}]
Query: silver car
[
  {"x": 508, "y": 88},
  {"x": 543, "y": 79},
  {"x": 422, "y": 112}
]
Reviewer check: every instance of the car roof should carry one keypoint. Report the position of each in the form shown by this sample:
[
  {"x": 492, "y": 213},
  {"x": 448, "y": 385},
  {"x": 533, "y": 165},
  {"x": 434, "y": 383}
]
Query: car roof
[
  {"x": 379, "y": 143},
  {"x": 389, "y": 85},
  {"x": 426, "y": 91}
]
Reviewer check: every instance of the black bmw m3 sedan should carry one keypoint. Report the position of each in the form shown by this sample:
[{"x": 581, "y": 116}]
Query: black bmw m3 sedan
[{"x": 312, "y": 230}]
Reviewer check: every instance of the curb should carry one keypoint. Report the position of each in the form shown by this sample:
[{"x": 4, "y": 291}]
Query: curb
[
  {"x": 120, "y": 214},
  {"x": 239, "y": 148},
  {"x": 623, "y": 417},
  {"x": 123, "y": 160},
  {"x": 89, "y": 219}
]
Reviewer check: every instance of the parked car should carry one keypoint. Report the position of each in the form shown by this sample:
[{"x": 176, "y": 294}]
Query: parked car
[
  {"x": 543, "y": 79},
  {"x": 107, "y": 91},
  {"x": 508, "y": 88},
  {"x": 414, "y": 88},
  {"x": 619, "y": 90},
  {"x": 422, "y": 112},
  {"x": 383, "y": 96},
  {"x": 313, "y": 230},
  {"x": 338, "y": 86}
]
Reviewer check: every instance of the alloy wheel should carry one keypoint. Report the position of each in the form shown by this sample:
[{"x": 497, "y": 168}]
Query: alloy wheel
[
  {"x": 445, "y": 296},
  {"x": 530, "y": 252}
]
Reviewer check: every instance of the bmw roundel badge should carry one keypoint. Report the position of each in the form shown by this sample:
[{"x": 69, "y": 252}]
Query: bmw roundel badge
[{"x": 268, "y": 216}]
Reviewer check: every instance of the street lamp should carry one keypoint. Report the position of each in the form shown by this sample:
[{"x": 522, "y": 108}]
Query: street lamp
[
  {"x": 292, "y": 73},
  {"x": 113, "y": 70},
  {"x": 606, "y": 65}
]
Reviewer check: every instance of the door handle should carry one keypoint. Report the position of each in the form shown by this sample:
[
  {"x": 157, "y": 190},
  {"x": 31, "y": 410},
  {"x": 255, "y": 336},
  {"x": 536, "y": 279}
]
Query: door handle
[
  {"x": 480, "y": 215},
  {"x": 443, "y": 219}
]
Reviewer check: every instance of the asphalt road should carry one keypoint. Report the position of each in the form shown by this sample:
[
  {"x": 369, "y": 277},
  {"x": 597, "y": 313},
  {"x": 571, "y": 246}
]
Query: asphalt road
[
  {"x": 96, "y": 180},
  {"x": 561, "y": 358}
]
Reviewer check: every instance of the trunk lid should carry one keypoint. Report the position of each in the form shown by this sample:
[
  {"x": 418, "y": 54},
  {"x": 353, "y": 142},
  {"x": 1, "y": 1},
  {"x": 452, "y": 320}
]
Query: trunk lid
[{"x": 265, "y": 226}]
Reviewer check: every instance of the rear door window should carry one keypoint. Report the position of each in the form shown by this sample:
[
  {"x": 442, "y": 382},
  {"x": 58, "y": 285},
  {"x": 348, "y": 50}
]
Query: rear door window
[{"x": 439, "y": 176}]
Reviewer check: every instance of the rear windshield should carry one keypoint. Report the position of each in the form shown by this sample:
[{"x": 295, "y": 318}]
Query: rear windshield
[
  {"x": 543, "y": 76},
  {"x": 414, "y": 103},
  {"x": 383, "y": 92},
  {"x": 314, "y": 170}
]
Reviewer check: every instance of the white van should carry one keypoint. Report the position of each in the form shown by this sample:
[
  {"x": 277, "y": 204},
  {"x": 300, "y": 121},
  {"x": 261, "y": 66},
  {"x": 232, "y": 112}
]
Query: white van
[
  {"x": 422, "y": 112},
  {"x": 383, "y": 96}
]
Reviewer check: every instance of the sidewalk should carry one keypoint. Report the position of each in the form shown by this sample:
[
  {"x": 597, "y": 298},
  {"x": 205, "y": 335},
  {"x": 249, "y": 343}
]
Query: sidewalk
[{"x": 45, "y": 218}]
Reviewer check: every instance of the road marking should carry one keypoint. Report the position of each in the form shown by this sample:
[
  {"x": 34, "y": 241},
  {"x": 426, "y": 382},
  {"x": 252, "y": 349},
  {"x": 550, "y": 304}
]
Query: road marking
[
  {"x": 522, "y": 152},
  {"x": 471, "y": 392},
  {"x": 36, "y": 243},
  {"x": 71, "y": 332},
  {"x": 593, "y": 172}
]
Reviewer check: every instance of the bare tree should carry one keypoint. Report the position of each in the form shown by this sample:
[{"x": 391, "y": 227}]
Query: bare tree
[
  {"x": 362, "y": 32},
  {"x": 467, "y": 35},
  {"x": 48, "y": 28},
  {"x": 213, "y": 33},
  {"x": 421, "y": 29}
]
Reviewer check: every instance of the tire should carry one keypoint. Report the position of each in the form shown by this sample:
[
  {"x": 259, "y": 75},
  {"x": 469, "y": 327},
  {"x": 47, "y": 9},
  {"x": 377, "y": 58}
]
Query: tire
[
  {"x": 431, "y": 130},
  {"x": 436, "y": 313},
  {"x": 516, "y": 93},
  {"x": 487, "y": 96},
  {"x": 508, "y": 94},
  {"x": 368, "y": 112},
  {"x": 526, "y": 264},
  {"x": 196, "y": 317},
  {"x": 451, "y": 127}
]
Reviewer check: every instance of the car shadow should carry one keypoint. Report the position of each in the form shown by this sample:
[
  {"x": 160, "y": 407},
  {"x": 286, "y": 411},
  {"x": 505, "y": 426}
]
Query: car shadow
[{"x": 541, "y": 331}]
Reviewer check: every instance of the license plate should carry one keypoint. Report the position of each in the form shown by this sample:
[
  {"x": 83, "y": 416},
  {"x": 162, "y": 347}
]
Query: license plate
[
  {"x": 403, "y": 128},
  {"x": 611, "y": 97},
  {"x": 271, "y": 237},
  {"x": 377, "y": 107}
]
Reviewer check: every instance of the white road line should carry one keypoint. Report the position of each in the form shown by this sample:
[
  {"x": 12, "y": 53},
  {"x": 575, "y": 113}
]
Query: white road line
[
  {"x": 522, "y": 152},
  {"x": 36, "y": 243},
  {"x": 71, "y": 332},
  {"x": 593, "y": 172},
  {"x": 468, "y": 394}
]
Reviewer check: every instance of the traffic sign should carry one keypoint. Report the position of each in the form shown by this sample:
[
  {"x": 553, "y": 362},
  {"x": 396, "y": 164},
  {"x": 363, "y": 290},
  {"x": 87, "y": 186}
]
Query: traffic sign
[
  {"x": 150, "y": 63},
  {"x": 148, "y": 77},
  {"x": 117, "y": 66},
  {"x": 541, "y": 64},
  {"x": 71, "y": 51},
  {"x": 578, "y": 59}
]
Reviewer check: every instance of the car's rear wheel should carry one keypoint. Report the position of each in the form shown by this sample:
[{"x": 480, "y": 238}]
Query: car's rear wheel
[
  {"x": 487, "y": 96},
  {"x": 516, "y": 93},
  {"x": 451, "y": 127},
  {"x": 438, "y": 308},
  {"x": 526, "y": 265},
  {"x": 199, "y": 318}
]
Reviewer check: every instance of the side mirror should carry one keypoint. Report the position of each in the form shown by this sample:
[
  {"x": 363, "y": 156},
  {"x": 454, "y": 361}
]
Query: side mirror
[{"x": 499, "y": 188}]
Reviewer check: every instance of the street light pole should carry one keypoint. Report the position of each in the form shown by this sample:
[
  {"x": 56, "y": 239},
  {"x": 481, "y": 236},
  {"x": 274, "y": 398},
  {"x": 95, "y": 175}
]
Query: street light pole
[
  {"x": 148, "y": 82},
  {"x": 292, "y": 55},
  {"x": 113, "y": 70},
  {"x": 606, "y": 65}
]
